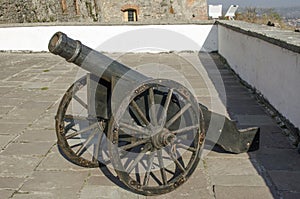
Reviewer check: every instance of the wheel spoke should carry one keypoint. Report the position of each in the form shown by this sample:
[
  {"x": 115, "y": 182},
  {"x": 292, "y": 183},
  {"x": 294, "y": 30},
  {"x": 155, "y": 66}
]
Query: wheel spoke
[
  {"x": 76, "y": 145},
  {"x": 140, "y": 112},
  {"x": 185, "y": 129},
  {"x": 126, "y": 139},
  {"x": 177, "y": 115},
  {"x": 162, "y": 167},
  {"x": 152, "y": 107},
  {"x": 150, "y": 163},
  {"x": 72, "y": 135},
  {"x": 97, "y": 146},
  {"x": 134, "y": 128},
  {"x": 75, "y": 117},
  {"x": 186, "y": 147},
  {"x": 166, "y": 106},
  {"x": 137, "y": 143},
  {"x": 138, "y": 158},
  {"x": 80, "y": 101},
  {"x": 82, "y": 148},
  {"x": 180, "y": 166}
]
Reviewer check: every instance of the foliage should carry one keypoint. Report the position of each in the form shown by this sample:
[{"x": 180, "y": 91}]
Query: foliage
[{"x": 262, "y": 16}]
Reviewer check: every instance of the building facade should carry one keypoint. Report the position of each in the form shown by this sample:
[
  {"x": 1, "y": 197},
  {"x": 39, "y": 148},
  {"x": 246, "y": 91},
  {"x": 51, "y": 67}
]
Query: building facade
[{"x": 104, "y": 11}]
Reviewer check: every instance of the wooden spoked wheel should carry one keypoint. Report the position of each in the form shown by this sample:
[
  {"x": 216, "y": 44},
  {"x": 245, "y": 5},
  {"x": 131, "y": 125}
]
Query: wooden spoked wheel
[
  {"x": 79, "y": 134},
  {"x": 156, "y": 137}
]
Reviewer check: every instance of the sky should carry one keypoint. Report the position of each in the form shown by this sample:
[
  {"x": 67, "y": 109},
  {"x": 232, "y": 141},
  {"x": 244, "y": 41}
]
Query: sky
[{"x": 257, "y": 3}]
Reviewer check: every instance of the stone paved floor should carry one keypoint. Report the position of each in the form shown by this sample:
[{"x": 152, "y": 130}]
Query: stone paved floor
[{"x": 31, "y": 86}]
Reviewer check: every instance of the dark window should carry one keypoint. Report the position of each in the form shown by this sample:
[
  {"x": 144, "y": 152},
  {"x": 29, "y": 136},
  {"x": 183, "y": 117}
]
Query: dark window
[{"x": 131, "y": 15}]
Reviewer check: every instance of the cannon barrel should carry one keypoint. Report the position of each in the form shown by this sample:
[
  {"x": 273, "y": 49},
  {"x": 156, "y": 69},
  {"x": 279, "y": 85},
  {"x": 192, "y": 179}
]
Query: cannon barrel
[{"x": 93, "y": 61}]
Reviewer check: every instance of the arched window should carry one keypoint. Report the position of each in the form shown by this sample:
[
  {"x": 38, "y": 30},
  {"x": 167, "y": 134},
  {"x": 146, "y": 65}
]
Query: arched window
[
  {"x": 130, "y": 15},
  {"x": 131, "y": 12}
]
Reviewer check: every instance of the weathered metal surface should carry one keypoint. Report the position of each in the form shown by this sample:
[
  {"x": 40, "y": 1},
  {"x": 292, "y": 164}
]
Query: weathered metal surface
[
  {"x": 91, "y": 60},
  {"x": 230, "y": 138}
]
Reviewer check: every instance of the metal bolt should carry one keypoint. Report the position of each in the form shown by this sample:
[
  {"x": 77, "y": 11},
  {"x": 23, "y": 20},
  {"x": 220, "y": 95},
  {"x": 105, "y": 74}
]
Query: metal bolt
[{"x": 116, "y": 130}]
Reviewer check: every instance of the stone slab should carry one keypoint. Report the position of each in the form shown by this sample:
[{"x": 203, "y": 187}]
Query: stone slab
[
  {"x": 5, "y": 139},
  {"x": 4, "y": 90},
  {"x": 238, "y": 166},
  {"x": 5, "y": 110},
  {"x": 238, "y": 180},
  {"x": 16, "y": 166},
  {"x": 99, "y": 181},
  {"x": 39, "y": 195},
  {"x": 5, "y": 194},
  {"x": 254, "y": 120},
  {"x": 54, "y": 161},
  {"x": 11, "y": 182},
  {"x": 28, "y": 149},
  {"x": 279, "y": 159},
  {"x": 11, "y": 128},
  {"x": 290, "y": 195},
  {"x": 95, "y": 191},
  {"x": 44, "y": 122},
  {"x": 55, "y": 181},
  {"x": 216, "y": 154},
  {"x": 286, "y": 180},
  {"x": 240, "y": 192},
  {"x": 272, "y": 137},
  {"x": 42, "y": 135},
  {"x": 10, "y": 102}
]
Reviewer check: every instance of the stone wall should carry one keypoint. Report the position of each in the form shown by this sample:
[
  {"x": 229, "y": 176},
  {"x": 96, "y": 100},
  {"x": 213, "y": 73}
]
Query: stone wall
[
  {"x": 154, "y": 11},
  {"x": 105, "y": 11},
  {"x": 28, "y": 11}
]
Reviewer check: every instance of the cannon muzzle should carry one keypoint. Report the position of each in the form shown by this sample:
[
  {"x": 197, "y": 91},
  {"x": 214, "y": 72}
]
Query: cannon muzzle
[{"x": 93, "y": 61}]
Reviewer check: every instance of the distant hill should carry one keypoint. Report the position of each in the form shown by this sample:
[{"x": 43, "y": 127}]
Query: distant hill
[{"x": 289, "y": 13}]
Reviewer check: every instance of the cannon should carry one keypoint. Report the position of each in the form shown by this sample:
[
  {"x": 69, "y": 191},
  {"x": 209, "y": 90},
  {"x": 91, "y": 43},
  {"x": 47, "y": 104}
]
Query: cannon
[{"x": 151, "y": 131}]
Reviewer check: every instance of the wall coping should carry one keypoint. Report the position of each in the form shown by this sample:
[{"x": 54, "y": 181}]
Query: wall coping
[
  {"x": 202, "y": 22},
  {"x": 284, "y": 38}
]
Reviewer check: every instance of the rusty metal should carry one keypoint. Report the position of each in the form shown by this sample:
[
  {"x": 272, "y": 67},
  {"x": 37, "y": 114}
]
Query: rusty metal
[{"x": 152, "y": 133}]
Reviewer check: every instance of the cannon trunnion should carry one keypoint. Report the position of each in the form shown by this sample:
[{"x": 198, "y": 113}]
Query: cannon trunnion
[{"x": 148, "y": 132}]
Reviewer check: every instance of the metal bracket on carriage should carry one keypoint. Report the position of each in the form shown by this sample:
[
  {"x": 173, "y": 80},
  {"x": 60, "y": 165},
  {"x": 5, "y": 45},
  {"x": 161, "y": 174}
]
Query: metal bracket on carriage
[{"x": 231, "y": 139}]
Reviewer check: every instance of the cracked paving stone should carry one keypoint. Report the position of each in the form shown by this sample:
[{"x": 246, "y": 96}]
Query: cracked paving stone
[
  {"x": 5, "y": 194},
  {"x": 54, "y": 161},
  {"x": 5, "y": 139},
  {"x": 67, "y": 183}
]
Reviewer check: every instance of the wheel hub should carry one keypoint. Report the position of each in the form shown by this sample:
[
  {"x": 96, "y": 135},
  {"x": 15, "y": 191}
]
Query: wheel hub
[{"x": 162, "y": 138}]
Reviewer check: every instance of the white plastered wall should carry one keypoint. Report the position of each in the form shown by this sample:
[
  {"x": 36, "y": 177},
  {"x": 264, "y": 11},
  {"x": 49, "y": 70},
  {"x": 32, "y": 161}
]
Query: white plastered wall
[
  {"x": 115, "y": 38},
  {"x": 271, "y": 69}
]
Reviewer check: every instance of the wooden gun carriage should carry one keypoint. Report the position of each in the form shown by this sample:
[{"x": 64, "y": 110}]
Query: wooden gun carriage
[{"x": 151, "y": 131}]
